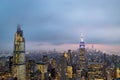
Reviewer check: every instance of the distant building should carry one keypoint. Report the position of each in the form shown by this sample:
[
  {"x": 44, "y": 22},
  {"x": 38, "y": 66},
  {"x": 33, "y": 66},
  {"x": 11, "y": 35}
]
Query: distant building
[
  {"x": 31, "y": 68},
  {"x": 95, "y": 71},
  {"x": 62, "y": 67},
  {"x": 45, "y": 58},
  {"x": 118, "y": 72},
  {"x": 6, "y": 66},
  {"x": 82, "y": 58},
  {"x": 82, "y": 54},
  {"x": 19, "y": 61},
  {"x": 70, "y": 72},
  {"x": 68, "y": 56},
  {"x": 41, "y": 73}
]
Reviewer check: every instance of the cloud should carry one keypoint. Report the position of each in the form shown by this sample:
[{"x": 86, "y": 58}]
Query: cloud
[{"x": 60, "y": 22}]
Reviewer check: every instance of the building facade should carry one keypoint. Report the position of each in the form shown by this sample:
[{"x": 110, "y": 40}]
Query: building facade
[
  {"x": 82, "y": 58},
  {"x": 82, "y": 54},
  {"x": 19, "y": 62}
]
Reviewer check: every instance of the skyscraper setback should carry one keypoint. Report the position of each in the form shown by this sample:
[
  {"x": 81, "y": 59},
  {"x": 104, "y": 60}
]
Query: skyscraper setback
[{"x": 19, "y": 67}]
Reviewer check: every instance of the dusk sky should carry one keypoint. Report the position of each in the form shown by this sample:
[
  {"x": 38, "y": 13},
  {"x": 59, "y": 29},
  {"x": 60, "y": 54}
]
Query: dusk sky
[{"x": 49, "y": 24}]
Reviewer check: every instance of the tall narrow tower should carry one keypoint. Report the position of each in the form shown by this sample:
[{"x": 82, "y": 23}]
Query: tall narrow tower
[
  {"x": 19, "y": 67},
  {"x": 82, "y": 54}
]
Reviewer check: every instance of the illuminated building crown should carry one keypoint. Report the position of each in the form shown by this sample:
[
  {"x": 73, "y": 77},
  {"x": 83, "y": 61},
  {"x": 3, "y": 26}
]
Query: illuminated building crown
[{"x": 82, "y": 44}]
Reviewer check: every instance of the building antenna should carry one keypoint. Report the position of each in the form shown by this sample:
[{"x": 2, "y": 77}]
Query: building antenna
[{"x": 81, "y": 37}]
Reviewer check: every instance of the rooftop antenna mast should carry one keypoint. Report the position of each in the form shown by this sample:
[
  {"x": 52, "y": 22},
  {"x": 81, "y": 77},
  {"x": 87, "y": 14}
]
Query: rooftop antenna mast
[{"x": 81, "y": 37}]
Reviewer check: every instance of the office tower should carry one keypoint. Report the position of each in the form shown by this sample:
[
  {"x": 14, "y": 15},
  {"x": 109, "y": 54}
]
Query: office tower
[
  {"x": 69, "y": 57},
  {"x": 19, "y": 67},
  {"x": 82, "y": 58},
  {"x": 30, "y": 69},
  {"x": 117, "y": 72},
  {"x": 114, "y": 60},
  {"x": 82, "y": 54},
  {"x": 95, "y": 71},
  {"x": 10, "y": 63},
  {"x": 45, "y": 58},
  {"x": 62, "y": 67}
]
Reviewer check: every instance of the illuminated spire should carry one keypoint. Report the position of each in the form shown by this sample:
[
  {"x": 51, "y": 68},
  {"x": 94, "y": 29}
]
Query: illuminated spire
[{"x": 81, "y": 37}]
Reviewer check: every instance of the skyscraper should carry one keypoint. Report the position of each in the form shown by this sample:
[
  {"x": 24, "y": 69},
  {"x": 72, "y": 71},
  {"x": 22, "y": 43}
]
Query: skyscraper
[
  {"x": 82, "y": 58},
  {"x": 82, "y": 54},
  {"x": 19, "y": 67}
]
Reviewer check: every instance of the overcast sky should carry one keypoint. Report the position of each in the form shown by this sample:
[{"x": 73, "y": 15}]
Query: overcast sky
[{"x": 59, "y": 22}]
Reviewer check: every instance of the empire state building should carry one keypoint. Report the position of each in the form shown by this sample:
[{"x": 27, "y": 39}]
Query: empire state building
[{"x": 82, "y": 54}]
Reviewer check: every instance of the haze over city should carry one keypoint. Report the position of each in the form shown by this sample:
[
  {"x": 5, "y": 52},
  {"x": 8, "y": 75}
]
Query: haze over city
[{"x": 58, "y": 24}]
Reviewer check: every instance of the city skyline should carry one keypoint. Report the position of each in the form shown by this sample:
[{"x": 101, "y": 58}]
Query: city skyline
[{"x": 58, "y": 24}]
